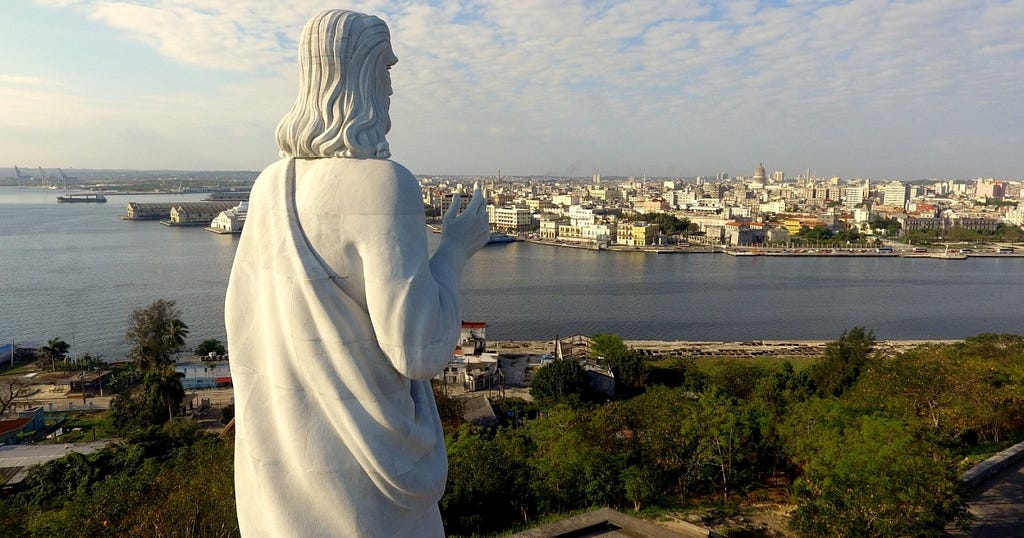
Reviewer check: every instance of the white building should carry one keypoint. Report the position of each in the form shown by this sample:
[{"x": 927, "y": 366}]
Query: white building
[
  {"x": 1015, "y": 217},
  {"x": 895, "y": 194},
  {"x": 581, "y": 216},
  {"x": 230, "y": 221},
  {"x": 512, "y": 218},
  {"x": 853, "y": 196},
  {"x": 775, "y": 206},
  {"x": 565, "y": 199}
]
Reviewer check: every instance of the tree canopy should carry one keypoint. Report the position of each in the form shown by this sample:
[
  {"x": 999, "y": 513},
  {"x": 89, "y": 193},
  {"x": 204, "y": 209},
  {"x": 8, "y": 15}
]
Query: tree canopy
[
  {"x": 54, "y": 350},
  {"x": 155, "y": 333},
  {"x": 628, "y": 365},
  {"x": 667, "y": 224},
  {"x": 559, "y": 380},
  {"x": 844, "y": 359},
  {"x": 210, "y": 346},
  {"x": 152, "y": 404},
  {"x": 868, "y": 442}
]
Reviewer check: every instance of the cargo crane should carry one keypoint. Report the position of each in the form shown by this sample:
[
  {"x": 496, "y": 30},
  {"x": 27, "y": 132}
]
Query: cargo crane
[
  {"x": 44, "y": 180},
  {"x": 23, "y": 179},
  {"x": 64, "y": 178}
]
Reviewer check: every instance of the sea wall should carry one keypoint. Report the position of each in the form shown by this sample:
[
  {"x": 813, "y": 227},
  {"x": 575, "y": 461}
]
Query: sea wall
[{"x": 974, "y": 476}]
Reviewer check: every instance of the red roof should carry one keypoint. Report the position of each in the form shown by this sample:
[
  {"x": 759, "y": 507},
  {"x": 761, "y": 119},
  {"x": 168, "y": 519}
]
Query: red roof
[
  {"x": 14, "y": 424},
  {"x": 474, "y": 325}
]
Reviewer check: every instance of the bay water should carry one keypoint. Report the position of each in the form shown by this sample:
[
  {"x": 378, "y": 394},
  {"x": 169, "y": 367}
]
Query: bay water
[{"x": 76, "y": 271}]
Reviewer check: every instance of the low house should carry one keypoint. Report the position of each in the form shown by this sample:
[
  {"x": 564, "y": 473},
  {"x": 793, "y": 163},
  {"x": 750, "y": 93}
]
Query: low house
[
  {"x": 470, "y": 367},
  {"x": 72, "y": 384},
  {"x": 14, "y": 426},
  {"x": 204, "y": 374}
]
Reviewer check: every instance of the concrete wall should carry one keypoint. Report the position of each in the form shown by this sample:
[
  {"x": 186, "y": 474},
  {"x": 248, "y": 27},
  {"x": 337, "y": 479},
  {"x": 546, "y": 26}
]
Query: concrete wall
[{"x": 988, "y": 468}]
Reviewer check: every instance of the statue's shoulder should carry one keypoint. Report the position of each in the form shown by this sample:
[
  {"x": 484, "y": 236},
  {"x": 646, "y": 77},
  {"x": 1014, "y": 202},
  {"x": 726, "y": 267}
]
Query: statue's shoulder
[
  {"x": 378, "y": 185},
  {"x": 384, "y": 170}
]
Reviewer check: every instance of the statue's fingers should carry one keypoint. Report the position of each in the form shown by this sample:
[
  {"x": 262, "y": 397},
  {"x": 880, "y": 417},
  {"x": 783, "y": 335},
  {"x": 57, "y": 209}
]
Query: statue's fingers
[
  {"x": 477, "y": 203},
  {"x": 453, "y": 209}
]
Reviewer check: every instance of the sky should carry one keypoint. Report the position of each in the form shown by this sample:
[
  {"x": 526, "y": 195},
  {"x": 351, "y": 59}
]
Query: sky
[{"x": 860, "y": 88}]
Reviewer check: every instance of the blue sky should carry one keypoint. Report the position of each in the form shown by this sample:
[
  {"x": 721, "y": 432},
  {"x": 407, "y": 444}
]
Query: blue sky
[{"x": 859, "y": 88}]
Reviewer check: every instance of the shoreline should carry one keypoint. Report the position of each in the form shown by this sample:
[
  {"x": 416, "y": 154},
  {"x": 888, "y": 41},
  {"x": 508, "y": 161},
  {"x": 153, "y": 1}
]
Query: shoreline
[{"x": 738, "y": 349}]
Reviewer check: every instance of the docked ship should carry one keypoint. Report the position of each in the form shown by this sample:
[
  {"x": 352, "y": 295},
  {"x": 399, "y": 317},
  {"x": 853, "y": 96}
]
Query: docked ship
[
  {"x": 495, "y": 237},
  {"x": 501, "y": 237},
  {"x": 230, "y": 221},
  {"x": 83, "y": 197}
]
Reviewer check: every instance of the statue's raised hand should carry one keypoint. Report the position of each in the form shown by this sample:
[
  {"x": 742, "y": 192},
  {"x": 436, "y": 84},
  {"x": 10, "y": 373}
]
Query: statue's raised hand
[{"x": 466, "y": 232}]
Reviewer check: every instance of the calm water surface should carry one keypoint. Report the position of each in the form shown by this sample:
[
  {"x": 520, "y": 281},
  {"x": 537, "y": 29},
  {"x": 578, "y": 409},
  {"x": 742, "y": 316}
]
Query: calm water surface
[{"x": 76, "y": 271}]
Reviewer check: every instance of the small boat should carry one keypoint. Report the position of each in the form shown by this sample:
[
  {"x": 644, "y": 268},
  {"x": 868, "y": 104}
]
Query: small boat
[
  {"x": 84, "y": 197},
  {"x": 501, "y": 237}
]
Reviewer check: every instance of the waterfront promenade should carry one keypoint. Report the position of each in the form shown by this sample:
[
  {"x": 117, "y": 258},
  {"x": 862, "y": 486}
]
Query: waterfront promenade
[
  {"x": 746, "y": 349},
  {"x": 831, "y": 251},
  {"x": 998, "y": 505}
]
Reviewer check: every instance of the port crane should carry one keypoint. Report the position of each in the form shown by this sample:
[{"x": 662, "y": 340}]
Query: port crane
[
  {"x": 44, "y": 180},
  {"x": 64, "y": 178}
]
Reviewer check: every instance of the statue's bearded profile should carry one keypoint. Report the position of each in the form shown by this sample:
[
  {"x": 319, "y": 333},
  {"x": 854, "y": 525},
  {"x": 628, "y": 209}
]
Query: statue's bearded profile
[{"x": 337, "y": 316}]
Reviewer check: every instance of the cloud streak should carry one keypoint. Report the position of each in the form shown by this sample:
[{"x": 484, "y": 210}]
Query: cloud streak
[{"x": 677, "y": 87}]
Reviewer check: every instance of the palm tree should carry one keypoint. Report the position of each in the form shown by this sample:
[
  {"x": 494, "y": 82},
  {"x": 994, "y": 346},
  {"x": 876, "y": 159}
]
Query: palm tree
[
  {"x": 162, "y": 386},
  {"x": 176, "y": 333},
  {"x": 156, "y": 333},
  {"x": 54, "y": 349}
]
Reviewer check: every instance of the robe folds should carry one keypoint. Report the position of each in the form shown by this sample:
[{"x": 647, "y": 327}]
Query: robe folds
[{"x": 336, "y": 320}]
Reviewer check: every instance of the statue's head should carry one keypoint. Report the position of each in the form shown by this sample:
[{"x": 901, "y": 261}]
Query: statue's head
[{"x": 344, "y": 89}]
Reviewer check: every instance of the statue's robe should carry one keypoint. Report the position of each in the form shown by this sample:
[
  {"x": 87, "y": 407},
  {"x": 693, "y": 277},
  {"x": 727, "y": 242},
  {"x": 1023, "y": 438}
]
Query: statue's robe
[{"x": 336, "y": 319}]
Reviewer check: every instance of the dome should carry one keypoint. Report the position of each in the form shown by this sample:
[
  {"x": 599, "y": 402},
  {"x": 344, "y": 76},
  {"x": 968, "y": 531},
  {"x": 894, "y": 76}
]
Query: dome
[{"x": 759, "y": 172}]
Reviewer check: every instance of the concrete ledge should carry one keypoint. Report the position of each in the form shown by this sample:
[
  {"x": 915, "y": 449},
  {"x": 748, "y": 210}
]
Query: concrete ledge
[
  {"x": 608, "y": 522},
  {"x": 974, "y": 476}
]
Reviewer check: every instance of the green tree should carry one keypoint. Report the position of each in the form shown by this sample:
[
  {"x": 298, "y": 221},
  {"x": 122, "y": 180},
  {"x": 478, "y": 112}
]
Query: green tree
[
  {"x": 963, "y": 392},
  {"x": 164, "y": 386},
  {"x": 640, "y": 485},
  {"x": 628, "y": 365},
  {"x": 679, "y": 372},
  {"x": 872, "y": 477},
  {"x": 667, "y": 224},
  {"x": 86, "y": 361},
  {"x": 570, "y": 469},
  {"x": 725, "y": 434},
  {"x": 488, "y": 485},
  {"x": 451, "y": 409},
  {"x": 54, "y": 350},
  {"x": 886, "y": 227},
  {"x": 607, "y": 345},
  {"x": 151, "y": 404},
  {"x": 175, "y": 483},
  {"x": 843, "y": 361},
  {"x": 739, "y": 377},
  {"x": 209, "y": 346},
  {"x": 660, "y": 433},
  {"x": 155, "y": 333},
  {"x": 559, "y": 380},
  {"x": 818, "y": 233}
]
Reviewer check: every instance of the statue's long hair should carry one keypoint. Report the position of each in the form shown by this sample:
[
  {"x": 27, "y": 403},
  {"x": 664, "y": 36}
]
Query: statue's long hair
[{"x": 342, "y": 107}]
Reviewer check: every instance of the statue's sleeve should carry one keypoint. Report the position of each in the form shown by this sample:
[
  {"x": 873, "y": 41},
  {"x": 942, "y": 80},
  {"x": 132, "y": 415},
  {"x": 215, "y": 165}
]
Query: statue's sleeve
[{"x": 412, "y": 303}]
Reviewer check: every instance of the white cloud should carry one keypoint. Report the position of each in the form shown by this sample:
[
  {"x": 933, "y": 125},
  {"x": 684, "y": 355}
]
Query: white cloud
[{"x": 623, "y": 83}]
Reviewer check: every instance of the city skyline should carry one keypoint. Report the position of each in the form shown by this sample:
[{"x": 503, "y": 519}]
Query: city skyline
[{"x": 866, "y": 88}]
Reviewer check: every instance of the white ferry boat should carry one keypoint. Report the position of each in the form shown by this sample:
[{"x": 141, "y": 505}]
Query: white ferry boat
[{"x": 230, "y": 221}]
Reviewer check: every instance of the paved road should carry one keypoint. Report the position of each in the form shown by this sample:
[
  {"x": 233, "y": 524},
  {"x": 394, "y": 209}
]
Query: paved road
[
  {"x": 16, "y": 459},
  {"x": 998, "y": 505}
]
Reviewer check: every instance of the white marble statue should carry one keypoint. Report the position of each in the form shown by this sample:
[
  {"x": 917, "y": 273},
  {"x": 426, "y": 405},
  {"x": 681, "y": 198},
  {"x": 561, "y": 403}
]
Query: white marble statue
[{"x": 337, "y": 316}]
